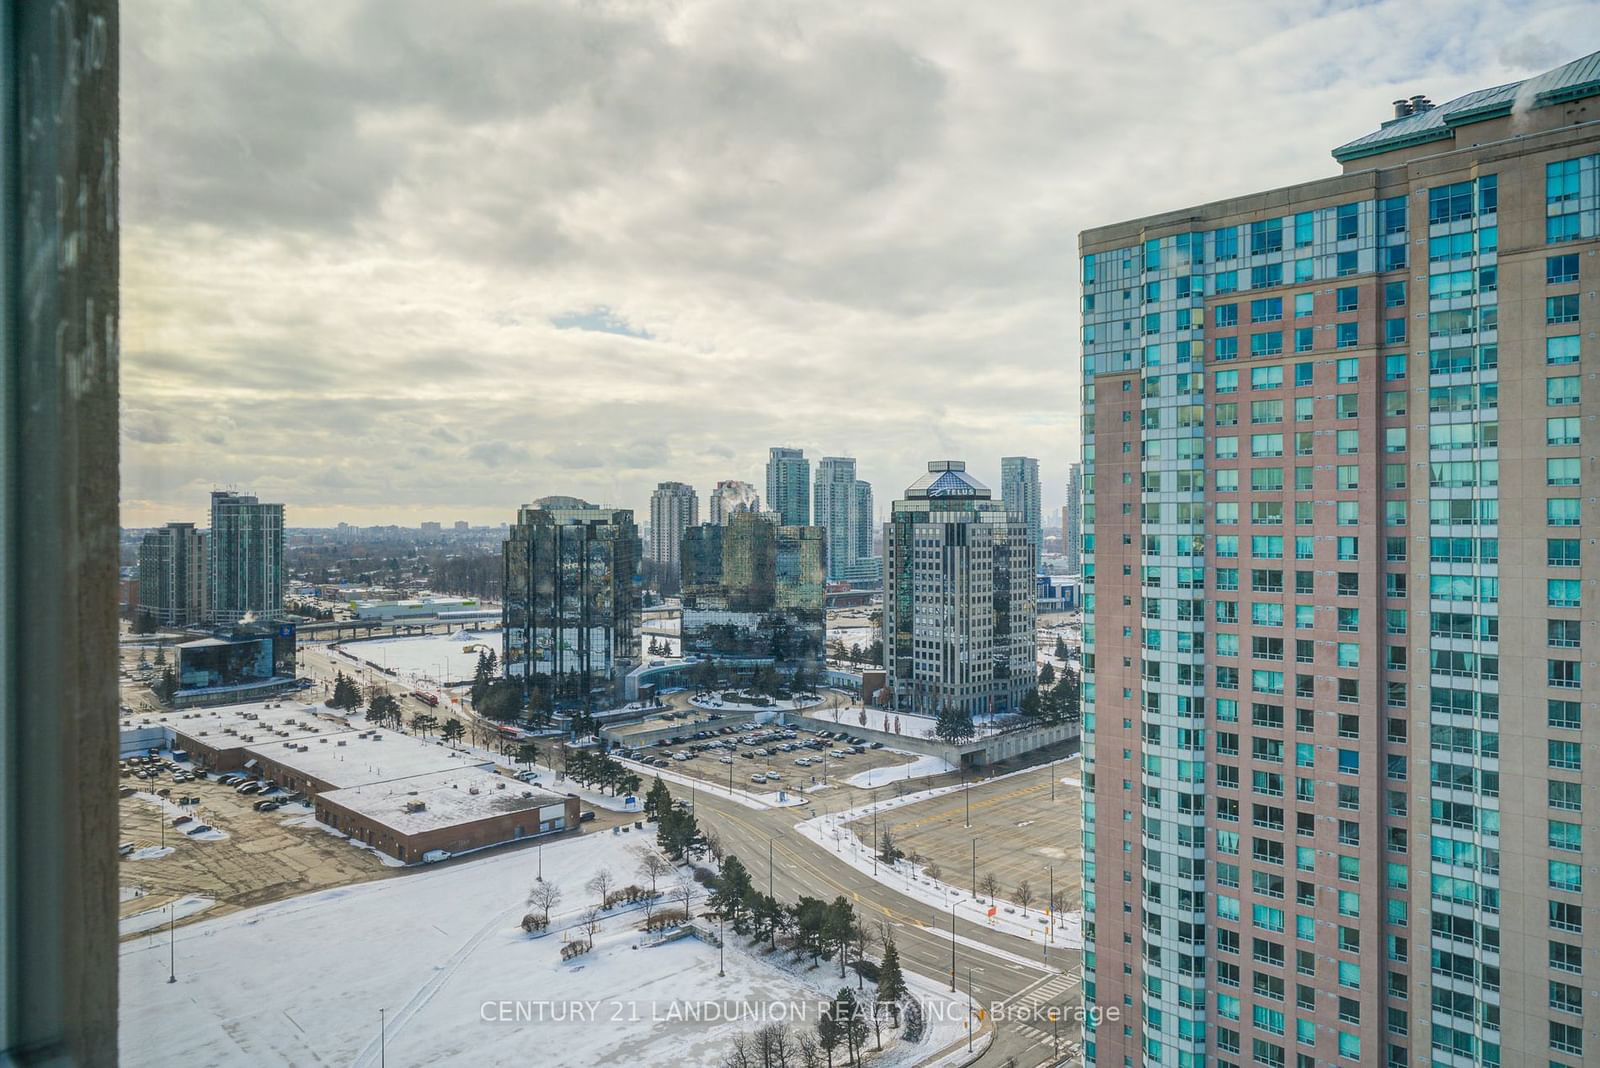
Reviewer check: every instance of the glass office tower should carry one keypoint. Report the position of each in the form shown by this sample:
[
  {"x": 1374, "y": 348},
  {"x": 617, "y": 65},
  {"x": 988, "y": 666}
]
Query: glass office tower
[{"x": 573, "y": 601}]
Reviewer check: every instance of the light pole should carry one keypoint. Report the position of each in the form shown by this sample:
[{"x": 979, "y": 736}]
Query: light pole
[
  {"x": 972, "y": 1024},
  {"x": 720, "y": 972},
  {"x": 966, "y": 791},
  {"x": 172, "y": 942},
  {"x": 769, "y": 867},
  {"x": 874, "y": 841},
  {"x": 952, "y": 947},
  {"x": 974, "y": 869},
  {"x": 383, "y": 1039}
]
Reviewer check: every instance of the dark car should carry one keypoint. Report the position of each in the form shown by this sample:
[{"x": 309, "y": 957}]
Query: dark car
[{"x": 586, "y": 815}]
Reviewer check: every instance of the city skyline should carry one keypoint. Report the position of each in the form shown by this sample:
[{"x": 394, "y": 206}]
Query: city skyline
[{"x": 410, "y": 230}]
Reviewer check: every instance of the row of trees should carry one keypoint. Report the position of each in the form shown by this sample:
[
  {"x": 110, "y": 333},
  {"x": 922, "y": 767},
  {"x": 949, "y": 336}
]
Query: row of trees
[
  {"x": 591, "y": 768},
  {"x": 857, "y": 653},
  {"x": 821, "y": 929},
  {"x": 708, "y": 676}
]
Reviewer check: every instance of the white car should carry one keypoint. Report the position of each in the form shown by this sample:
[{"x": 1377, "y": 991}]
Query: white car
[
  {"x": 758, "y": 777},
  {"x": 724, "y": 760}
]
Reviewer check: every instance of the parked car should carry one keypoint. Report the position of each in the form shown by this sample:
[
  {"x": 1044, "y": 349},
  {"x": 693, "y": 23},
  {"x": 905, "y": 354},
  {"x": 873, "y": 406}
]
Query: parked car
[
  {"x": 199, "y": 828},
  {"x": 586, "y": 815},
  {"x": 267, "y": 806}
]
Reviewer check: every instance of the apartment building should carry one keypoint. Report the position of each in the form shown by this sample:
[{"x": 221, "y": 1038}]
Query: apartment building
[{"x": 1335, "y": 518}]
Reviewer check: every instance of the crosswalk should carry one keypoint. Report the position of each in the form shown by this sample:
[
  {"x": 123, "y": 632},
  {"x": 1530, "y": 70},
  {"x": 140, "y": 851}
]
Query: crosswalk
[{"x": 1029, "y": 1013}]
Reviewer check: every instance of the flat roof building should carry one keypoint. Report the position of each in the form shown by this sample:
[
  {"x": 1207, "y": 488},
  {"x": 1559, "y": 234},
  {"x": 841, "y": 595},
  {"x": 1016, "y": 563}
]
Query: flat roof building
[{"x": 403, "y": 795}]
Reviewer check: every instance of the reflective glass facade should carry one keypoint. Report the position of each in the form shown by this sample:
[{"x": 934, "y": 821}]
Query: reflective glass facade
[{"x": 572, "y": 600}]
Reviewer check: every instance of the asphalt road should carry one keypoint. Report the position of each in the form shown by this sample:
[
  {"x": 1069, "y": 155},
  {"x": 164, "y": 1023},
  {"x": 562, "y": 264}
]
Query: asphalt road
[{"x": 922, "y": 932}]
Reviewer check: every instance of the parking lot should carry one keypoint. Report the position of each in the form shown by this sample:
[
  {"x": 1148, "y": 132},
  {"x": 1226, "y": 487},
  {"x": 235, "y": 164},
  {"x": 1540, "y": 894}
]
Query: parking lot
[
  {"x": 253, "y": 858},
  {"x": 765, "y": 757},
  {"x": 1021, "y": 834}
]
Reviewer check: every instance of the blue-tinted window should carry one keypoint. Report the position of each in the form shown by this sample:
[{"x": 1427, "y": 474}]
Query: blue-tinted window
[
  {"x": 1347, "y": 299},
  {"x": 1266, "y": 236},
  {"x": 1304, "y": 229},
  {"x": 1394, "y": 295},
  {"x": 1226, "y": 282},
  {"x": 1446, "y": 203},
  {"x": 1225, "y": 348},
  {"x": 1392, "y": 258},
  {"x": 1226, "y": 242},
  {"x": 1392, "y": 213},
  {"x": 1267, "y": 276},
  {"x": 1394, "y": 331},
  {"x": 1346, "y": 335},
  {"x": 1559, "y": 269},
  {"x": 1266, "y": 344},
  {"x": 1346, "y": 264},
  {"x": 1266, "y": 310},
  {"x": 1227, "y": 315},
  {"x": 1347, "y": 220},
  {"x": 1152, "y": 255},
  {"x": 1303, "y": 340}
]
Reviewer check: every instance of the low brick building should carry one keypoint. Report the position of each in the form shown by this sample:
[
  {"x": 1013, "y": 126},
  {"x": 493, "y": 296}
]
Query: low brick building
[{"x": 402, "y": 795}]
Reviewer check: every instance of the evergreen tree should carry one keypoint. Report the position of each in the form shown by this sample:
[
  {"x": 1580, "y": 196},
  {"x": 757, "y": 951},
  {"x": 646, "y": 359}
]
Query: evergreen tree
[
  {"x": 852, "y": 1027},
  {"x": 167, "y": 688},
  {"x": 1047, "y": 675},
  {"x": 346, "y": 694},
  {"x": 161, "y": 656},
  {"x": 891, "y": 981},
  {"x": 830, "y": 1031},
  {"x": 453, "y": 730},
  {"x": 954, "y": 725},
  {"x": 733, "y": 892},
  {"x": 658, "y": 801},
  {"x": 840, "y": 928},
  {"x": 1030, "y": 704},
  {"x": 887, "y": 852}
]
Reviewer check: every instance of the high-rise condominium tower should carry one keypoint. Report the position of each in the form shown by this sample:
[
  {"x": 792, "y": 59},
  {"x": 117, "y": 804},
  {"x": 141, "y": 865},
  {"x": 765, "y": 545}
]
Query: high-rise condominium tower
[
  {"x": 674, "y": 508},
  {"x": 1072, "y": 520},
  {"x": 843, "y": 508},
  {"x": 1019, "y": 489},
  {"x": 244, "y": 566},
  {"x": 731, "y": 497},
  {"x": 572, "y": 600},
  {"x": 959, "y": 598},
  {"x": 172, "y": 575},
  {"x": 789, "y": 486},
  {"x": 1335, "y": 767}
]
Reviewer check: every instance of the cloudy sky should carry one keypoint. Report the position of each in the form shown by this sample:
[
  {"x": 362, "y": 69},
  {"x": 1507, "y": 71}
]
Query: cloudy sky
[{"x": 390, "y": 262}]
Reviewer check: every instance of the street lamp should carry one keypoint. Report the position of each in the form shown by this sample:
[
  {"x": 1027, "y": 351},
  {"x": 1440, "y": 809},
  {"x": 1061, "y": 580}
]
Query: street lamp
[
  {"x": 172, "y": 942},
  {"x": 952, "y": 947}
]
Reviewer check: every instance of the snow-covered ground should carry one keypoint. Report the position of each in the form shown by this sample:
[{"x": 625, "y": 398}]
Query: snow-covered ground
[
  {"x": 831, "y": 832},
  {"x": 919, "y": 768},
  {"x": 424, "y": 657},
  {"x": 793, "y": 704},
  {"x": 441, "y": 954},
  {"x": 151, "y": 919},
  {"x": 876, "y": 719}
]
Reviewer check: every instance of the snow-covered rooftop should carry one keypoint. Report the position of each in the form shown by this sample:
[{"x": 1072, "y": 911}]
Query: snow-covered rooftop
[
  {"x": 448, "y": 798},
  {"x": 374, "y": 755},
  {"x": 250, "y": 725}
]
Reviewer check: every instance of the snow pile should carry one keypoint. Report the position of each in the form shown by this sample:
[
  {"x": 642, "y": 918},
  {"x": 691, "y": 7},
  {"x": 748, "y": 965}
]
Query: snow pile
[{"x": 149, "y": 853}]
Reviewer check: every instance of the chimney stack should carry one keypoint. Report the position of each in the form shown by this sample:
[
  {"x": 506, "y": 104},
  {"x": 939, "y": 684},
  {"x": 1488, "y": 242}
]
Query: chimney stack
[
  {"x": 1402, "y": 108},
  {"x": 1420, "y": 103}
]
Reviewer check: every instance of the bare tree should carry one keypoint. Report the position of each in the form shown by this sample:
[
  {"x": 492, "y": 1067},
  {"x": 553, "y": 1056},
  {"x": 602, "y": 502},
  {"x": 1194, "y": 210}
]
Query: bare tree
[
  {"x": 1058, "y": 902},
  {"x": 713, "y": 845},
  {"x": 775, "y": 1046},
  {"x": 545, "y": 895},
  {"x": 741, "y": 1055},
  {"x": 684, "y": 890},
  {"x": 989, "y": 886},
  {"x": 591, "y": 921},
  {"x": 601, "y": 883},
  {"x": 1023, "y": 895},
  {"x": 810, "y": 1054},
  {"x": 652, "y": 865},
  {"x": 932, "y": 870}
]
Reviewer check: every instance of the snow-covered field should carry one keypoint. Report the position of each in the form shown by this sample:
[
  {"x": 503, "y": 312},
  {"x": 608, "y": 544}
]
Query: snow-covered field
[
  {"x": 919, "y": 768},
  {"x": 831, "y": 832},
  {"x": 441, "y": 953},
  {"x": 425, "y": 656}
]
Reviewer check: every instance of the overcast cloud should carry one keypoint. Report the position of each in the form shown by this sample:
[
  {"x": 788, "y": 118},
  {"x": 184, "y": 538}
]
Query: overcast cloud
[{"x": 389, "y": 262}]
